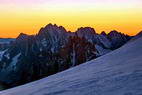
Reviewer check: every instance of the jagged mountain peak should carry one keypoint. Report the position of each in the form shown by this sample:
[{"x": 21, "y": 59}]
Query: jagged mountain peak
[
  {"x": 22, "y": 36},
  {"x": 86, "y": 32},
  {"x": 117, "y": 38},
  {"x": 54, "y": 26},
  {"x": 50, "y": 25},
  {"x": 113, "y": 32},
  {"x": 103, "y": 33},
  {"x": 86, "y": 29},
  {"x": 52, "y": 30}
]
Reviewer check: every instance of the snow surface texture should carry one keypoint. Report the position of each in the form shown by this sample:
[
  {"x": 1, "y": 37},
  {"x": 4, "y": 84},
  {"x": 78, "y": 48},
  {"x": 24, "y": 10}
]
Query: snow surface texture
[{"x": 116, "y": 73}]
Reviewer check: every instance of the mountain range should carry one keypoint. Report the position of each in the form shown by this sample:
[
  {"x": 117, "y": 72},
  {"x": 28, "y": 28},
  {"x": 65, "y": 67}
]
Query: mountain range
[
  {"x": 116, "y": 73},
  {"x": 53, "y": 49}
]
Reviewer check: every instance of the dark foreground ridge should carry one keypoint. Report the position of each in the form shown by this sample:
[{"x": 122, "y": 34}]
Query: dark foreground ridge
[{"x": 52, "y": 50}]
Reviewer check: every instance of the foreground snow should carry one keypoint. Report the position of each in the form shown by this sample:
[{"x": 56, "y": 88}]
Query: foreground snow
[{"x": 116, "y": 73}]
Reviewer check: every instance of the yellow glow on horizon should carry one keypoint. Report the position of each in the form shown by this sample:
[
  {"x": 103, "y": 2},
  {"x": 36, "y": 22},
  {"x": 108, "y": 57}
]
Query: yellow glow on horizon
[{"x": 17, "y": 20}]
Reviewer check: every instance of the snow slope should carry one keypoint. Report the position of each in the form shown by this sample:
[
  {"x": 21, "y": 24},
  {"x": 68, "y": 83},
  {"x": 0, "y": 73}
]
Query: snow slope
[{"x": 116, "y": 73}]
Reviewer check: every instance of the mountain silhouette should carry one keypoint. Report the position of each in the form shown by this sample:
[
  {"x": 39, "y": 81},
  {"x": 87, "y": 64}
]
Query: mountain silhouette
[{"x": 53, "y": 49}]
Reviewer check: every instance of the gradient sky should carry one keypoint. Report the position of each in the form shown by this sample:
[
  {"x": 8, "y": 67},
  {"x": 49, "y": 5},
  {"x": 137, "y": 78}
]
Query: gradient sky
[{"x": 28, "y": 16}]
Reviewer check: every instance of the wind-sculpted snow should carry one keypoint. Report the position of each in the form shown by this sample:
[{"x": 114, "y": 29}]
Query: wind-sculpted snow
[{"x": 116, "y": 73}]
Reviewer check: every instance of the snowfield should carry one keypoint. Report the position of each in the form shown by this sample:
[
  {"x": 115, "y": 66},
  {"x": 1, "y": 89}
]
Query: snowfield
[{"x": 116, "y": 73}]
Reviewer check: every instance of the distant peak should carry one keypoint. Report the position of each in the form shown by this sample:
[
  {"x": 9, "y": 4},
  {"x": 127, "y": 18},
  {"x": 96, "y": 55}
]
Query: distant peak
[
  {"x": 55, "y": 25},
  {"x": 50, "y": 24},
  {"x": 114, "y": 31},
  {"x": 22, "y": 36},
  {"x": 86, "y": 29},
  {"x": 103, "y": 33},
  {"x": 51, "y": 29}
]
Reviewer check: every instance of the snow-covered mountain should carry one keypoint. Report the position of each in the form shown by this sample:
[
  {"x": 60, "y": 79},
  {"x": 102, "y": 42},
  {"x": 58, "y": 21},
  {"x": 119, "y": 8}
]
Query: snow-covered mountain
[
  {"x": 116, "y": 73},
  {"x": 53, "y": 49}
]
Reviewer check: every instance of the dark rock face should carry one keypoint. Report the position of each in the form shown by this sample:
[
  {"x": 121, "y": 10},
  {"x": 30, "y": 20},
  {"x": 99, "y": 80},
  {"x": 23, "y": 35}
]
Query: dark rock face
[
  {"x": 77, "y": 51},
  {"x": 53, "y": 49},
  {"x": 117, "y": 39}
]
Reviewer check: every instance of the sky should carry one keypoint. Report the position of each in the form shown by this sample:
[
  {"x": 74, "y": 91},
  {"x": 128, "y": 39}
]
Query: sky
[{"x": 28, "y": 16}]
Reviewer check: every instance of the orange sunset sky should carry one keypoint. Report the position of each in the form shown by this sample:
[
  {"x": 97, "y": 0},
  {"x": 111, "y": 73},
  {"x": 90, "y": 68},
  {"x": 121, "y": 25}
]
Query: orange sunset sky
[{"x": 28, "y": 16}]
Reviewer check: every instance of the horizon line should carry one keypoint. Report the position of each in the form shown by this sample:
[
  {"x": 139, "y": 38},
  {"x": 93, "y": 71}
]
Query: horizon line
[{"x": 68, "y": 31}]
